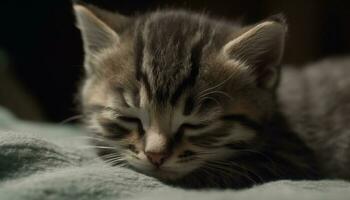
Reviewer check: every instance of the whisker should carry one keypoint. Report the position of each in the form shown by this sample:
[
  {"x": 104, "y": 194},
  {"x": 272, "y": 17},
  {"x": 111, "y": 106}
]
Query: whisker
[
  {"x": 103, "y": 140},
  {"x": 111, "y": 155},
  {"x": 116, "y": 161},
  {"x": 223, "y": 166},
  {"x": 213, "y": 171},
  {"x": 209, "y": 174},
  {"x": 90, "y": 138},
  {"x": 111, "y": 160},
  {"x": 104, "y": 157},
  {"x": 98, "y": 147},
  {"x": 246, "y": 169},
  {"x": 69, "y": 119},
  {"x": 274, "y": 167}
]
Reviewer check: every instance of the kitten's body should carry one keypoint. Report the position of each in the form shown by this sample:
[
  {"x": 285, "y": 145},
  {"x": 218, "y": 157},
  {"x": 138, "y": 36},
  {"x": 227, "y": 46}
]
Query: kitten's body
[
  {"x": 191, "y": 100},
  {"x": 316, "y": 101}
]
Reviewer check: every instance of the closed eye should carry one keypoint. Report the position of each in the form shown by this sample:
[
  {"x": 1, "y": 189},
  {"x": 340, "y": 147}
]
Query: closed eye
[
  {"x": 129, "y": 119},
  {"x": 193, "y": 126},
  {"x": 188, "y": 127},
  {"x": 134, "y": 121},
  {"x": 113, "y": 129}
]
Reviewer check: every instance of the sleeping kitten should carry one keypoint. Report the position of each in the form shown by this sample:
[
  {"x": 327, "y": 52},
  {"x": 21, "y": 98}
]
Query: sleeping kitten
[{"x": 188, "y": 99}]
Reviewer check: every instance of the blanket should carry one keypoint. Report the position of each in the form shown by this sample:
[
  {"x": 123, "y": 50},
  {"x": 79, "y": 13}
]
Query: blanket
[{"x": 46, "y": 161}]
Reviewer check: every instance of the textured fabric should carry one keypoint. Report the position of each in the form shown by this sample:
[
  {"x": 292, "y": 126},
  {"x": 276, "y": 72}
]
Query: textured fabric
[{"x": 41, "y": 161}]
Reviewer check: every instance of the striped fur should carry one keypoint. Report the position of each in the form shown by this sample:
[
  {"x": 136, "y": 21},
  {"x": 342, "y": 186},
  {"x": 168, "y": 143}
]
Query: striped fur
[{"x": 197, "y": 91}]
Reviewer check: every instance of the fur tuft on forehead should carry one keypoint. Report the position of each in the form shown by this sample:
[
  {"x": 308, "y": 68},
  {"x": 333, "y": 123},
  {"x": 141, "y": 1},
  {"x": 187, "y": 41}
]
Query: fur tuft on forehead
[{"x": 173, "y": 46}]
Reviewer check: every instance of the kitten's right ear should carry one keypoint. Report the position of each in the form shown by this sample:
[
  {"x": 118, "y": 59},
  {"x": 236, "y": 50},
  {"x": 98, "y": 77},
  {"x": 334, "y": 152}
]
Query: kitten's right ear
[
  {"x": 97, "y": 35},
  {"x": 261, "y": 47}
]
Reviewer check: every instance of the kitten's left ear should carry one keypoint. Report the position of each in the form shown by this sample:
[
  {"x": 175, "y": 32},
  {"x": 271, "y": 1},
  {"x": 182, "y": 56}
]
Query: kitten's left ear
[
  {"x": 261, "y": 48},
  {"x": 97, "y": 35}
]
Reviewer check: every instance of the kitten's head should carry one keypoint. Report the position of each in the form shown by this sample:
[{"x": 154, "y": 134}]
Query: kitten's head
[{"x": 172, "y": 93}]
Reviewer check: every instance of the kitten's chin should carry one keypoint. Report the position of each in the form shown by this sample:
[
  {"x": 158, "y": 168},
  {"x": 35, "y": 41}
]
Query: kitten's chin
[
  {"x": 162, "y": 174},
  {"x": 167, "y": 175}
]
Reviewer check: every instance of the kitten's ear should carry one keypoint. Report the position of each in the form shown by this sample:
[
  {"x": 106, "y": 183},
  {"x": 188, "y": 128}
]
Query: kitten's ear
[
  {"x": 97, "y": 35},
  {"x": 261, "y": 47}
]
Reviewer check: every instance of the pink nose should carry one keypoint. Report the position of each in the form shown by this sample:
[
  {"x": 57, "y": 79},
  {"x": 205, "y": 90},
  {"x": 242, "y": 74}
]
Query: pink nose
[{"x": 157, "y": 159}]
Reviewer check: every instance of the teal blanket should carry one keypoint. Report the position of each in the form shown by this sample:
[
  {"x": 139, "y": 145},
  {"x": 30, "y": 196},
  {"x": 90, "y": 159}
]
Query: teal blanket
[{"x": 43, "y": 161}]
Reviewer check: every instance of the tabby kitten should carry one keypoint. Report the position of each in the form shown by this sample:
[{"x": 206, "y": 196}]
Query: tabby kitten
[{"x": 188, "y": 99}]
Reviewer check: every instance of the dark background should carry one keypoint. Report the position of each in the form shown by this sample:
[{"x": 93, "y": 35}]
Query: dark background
[{"x": 41, "y": 53}]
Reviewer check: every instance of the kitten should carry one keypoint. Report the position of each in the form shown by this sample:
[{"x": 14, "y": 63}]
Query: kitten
[{"x": 188, "y": 99}]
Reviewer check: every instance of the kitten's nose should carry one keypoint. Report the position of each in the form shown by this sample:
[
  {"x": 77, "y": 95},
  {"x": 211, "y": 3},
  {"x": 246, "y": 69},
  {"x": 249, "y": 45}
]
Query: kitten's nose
[{"x": 157, "y": 159}]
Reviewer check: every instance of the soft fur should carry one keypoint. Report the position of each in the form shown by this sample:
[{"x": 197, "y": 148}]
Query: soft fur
[{"x": 316, "y": 100}]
